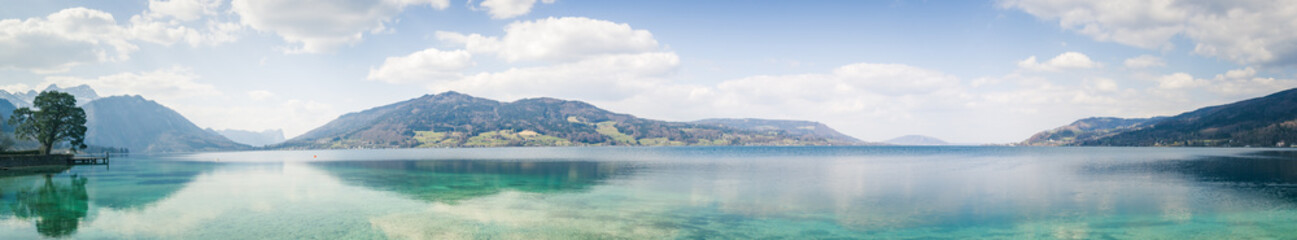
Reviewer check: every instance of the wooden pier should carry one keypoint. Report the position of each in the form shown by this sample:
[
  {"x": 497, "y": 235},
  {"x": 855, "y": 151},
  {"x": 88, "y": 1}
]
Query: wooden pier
[{"x": 89, "y": 160}]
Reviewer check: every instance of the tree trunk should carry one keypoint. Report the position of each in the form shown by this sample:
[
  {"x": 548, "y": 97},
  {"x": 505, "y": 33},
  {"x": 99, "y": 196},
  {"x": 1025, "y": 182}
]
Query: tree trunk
[{"x": 46, "y": 146}]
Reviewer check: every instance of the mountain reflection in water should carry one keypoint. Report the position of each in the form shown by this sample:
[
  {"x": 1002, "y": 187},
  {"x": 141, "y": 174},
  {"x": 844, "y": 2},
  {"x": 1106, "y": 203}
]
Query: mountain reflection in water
[
  {"x": 137, "y": 184},
  {"x": 1272, "y": 174},
  {"x": 455, "y": 180}
]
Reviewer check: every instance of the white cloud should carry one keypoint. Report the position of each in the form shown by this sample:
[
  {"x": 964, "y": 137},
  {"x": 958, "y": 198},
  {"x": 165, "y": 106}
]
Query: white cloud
[
  {"x": 1239, "y": 31},
  {"x": 1067, "y": 60},
  {"x": 1253, "y": 87},
  {"x": 1244, "y": 82},
  {"x": 184, "y": 10},
  {"x": 427, "y": 65},
  {"x": 881, "y": 90},
  {"x": 558, "y": 39},
  {"x": 62, "y": 40},
  {"x": 503, "y": 9},
  {"x": 1229, "y": 85},
  {"x": 1103, "y": 84},
  {"x": 609, "y": 77},
  {"x": 1144, "y": 61},
  {"x": 582, "y": 58},
  {"x": 893, "y": 79},
  {"x": 294, "y": 116},
  {"x": 16, "y": 87},
  {"x": 1148, "y": 24},
  {"x": 170, "y": 32},
  {"x": 321, "y": 26},
  {"x": 260, "y": 95},
  {"x": 1179, "y": 80},
  {"x": 76, "y": 36},
  {"x": 1239, "y": 73},
  {"x": 163, "y": 84}
]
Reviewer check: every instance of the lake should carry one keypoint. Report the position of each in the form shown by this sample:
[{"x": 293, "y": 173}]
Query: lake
[{"x": 665, "y": 193}]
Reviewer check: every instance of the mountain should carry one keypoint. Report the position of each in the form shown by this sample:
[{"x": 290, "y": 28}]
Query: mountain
[
  {"x": 916, "y": 140},
  {"x": 1265, "y": 121},
  {"x": 1087, "y": 129},
  {"x": 142, "y": 125},
  {"x": 805, "y": 129},
  {"x": 83, "y": 93},
  {"x": 262, "y": 138},
  {"x": 6, "y": 109},
  {"x": 12, "y": 99},
  {"x": 453, "y": 119}
]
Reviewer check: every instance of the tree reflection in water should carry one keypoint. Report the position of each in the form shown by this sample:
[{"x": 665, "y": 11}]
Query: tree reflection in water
[{"x": 57, "y": 208}]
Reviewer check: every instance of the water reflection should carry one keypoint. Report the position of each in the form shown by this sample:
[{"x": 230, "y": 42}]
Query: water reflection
[
  {"x": 685, "y": 193},
  {"x": 134, "y": 184},
  {"x": 454, "y": 180},
  {"x": 1018, "y": 194},
  {"x": 58, "y": 199},
  {"x": 1269, "y": 173},
  {"x": 1261, "y": 168},
  {"x": 56, "y": 204}
]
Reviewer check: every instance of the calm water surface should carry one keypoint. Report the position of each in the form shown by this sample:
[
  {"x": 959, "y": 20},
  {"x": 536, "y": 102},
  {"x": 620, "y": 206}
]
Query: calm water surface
[{"x": 665, "y": 193}]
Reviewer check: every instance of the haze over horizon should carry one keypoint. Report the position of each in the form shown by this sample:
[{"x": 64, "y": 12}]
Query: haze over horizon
[{"x": 968, "y": 72}]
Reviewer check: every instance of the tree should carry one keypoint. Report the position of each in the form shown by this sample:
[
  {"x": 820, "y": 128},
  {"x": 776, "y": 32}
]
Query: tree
[
  {"x": 6, "y": 142},
  {"x": 57, "y": 120}
]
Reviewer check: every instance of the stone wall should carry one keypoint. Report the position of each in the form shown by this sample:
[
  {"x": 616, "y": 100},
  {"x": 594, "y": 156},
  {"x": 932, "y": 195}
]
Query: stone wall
[{"x": 34, "y": 160}]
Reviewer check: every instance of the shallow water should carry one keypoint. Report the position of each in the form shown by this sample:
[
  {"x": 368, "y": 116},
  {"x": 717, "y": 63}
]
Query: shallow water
[{"x": 665, "y": 193}]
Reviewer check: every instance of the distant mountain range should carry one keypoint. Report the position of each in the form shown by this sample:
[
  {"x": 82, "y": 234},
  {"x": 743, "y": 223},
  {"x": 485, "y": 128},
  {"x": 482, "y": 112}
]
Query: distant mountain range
[
  {"x": 1088, "y": 129},
  {"x": 1265, "y": 121},
  {"x": 916, "y": 140},
  {"x": 84, "y": 94},
  {"x": 806, "y": 129},
  {"x": 142, "y": 125},
  {"x": 257, "y": 139},
  {"x": 453, "y": 119},
  {"x": 457, "y": 120}
]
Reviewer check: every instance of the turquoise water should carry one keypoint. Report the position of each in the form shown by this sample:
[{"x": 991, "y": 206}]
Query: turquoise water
[{"x": 665, "y": 193}]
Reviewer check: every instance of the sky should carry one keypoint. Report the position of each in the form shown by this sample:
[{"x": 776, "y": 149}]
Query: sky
[{"x": 963, "y": 71}]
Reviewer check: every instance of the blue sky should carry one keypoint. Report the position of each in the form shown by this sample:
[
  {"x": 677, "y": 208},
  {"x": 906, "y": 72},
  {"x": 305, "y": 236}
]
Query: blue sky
[{"x": 965, "y": 71}]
